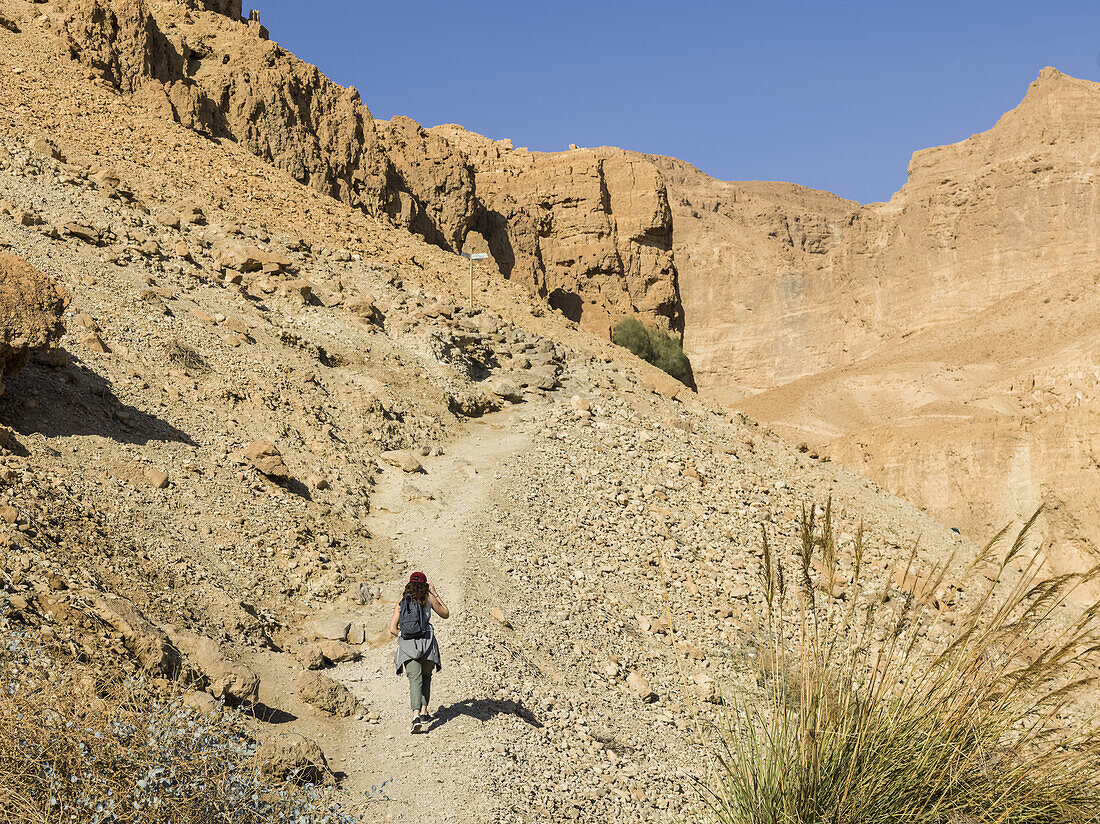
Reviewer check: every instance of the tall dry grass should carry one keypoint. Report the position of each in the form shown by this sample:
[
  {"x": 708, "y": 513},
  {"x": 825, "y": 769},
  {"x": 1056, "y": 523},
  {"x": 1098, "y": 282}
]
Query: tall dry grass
[{"x": 869, "y": 709}]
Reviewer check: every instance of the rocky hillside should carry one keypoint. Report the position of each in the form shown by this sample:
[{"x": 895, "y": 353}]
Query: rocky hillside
[
  {"x": 269, "y": 405},
  {"x": 942, "y": 342},
  {"x": 590, "y": 234},
  {"x": 773, "y": 285}
]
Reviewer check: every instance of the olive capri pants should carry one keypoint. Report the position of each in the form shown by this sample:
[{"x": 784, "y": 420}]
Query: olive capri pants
[{"x": 420, "y": 682}]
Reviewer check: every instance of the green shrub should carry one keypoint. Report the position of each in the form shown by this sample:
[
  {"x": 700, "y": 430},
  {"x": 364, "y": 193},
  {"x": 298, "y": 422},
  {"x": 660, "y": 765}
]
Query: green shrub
[
  {"x": 868, "y": 708},
  {"x": 654, "y": 346}
]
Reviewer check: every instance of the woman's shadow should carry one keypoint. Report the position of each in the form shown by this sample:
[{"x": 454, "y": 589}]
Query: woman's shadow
[{"x": 483, "y": 709}]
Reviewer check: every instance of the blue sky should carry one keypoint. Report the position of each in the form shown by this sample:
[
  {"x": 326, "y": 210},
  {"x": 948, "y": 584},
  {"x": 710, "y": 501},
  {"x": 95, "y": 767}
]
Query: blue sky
[{"x": 833, "y": 94}]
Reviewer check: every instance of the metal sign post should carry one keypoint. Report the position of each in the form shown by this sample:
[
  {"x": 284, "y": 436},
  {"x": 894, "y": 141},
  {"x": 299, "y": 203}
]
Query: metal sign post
[{"x": 472, "y": 258}]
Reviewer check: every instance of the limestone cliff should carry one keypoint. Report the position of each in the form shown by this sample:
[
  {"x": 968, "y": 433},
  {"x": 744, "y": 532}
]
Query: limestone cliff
[
  {"x": 590, "y": 229},
  {"x": 753, "y": 271},
  {"x": 781, "y": 281},
  {"x": 943, "y": 342}
]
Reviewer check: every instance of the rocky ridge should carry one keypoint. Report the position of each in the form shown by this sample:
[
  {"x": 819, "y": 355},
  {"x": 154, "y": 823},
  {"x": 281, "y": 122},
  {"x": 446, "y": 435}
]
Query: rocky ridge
[{"x": 598, "y": 256}]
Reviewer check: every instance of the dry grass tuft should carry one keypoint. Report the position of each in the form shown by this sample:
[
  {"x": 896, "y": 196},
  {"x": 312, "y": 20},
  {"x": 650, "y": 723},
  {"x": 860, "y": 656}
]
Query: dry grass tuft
[
  {"x": 183, "y": 355},
  {"x": 880, "y": 709}
]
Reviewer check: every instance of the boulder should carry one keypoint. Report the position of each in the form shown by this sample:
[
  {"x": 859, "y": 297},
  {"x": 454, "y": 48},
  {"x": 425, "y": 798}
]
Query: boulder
[
  {"x": 202, "y": 703},
  {"x": 706, "y": 689},
  {"x": 365, "y": 308},
  {"x": 293, "y": 757},
  {"x": 299, "y": 290},
  {"x": 95, "y": 343},
  {"x": 324, "y": 654},
  {"x": 505, "y": 390},
  {"x": 31, "y": 308},
  {"x": 228, "y": 680},
  {"x": 403, "y": 459},
  {"x": 331, "y": 629},
  {"x": 357, "y": 633},
  {"x": 158, "y": 479},
  {"x": 327, "y": 695},
  {"x": 44, "y": 147},
  {"x": 267, "y": 458},
  {"x": 147, "y": 642},
  {"x": 242, "y": 257},
  {"x": 89, "y": 234}
]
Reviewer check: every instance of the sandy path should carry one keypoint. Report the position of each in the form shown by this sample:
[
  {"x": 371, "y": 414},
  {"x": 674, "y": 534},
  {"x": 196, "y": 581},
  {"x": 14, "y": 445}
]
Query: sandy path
[{"x": 432, "y": 774}]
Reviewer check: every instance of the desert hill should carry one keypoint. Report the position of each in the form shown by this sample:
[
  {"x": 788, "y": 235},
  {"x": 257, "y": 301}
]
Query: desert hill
[
  {"x": 943, "y": 342},
  {"x": 271, "y": 401}
]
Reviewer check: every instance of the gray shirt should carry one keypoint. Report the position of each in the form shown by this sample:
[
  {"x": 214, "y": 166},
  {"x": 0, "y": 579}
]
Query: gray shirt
[{"x": 417, "y": 649}]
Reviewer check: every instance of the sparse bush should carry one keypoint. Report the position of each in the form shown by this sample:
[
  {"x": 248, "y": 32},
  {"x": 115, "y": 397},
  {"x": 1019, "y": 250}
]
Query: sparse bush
[
  {"x": 122, "y": 756},
  {"x": 654, "y": 346},
  {"x": 868, "y": 708}
]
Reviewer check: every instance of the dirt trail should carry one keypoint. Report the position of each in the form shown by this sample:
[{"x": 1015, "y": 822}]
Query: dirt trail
[{"x": 433, "y": 773}]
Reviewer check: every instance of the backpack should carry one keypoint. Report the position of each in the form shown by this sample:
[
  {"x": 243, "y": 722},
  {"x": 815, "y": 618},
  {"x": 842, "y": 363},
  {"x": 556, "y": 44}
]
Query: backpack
[{"x": 412, "y": 619}]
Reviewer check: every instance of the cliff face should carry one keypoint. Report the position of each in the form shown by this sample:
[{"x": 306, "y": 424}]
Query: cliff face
[
  {"x": 589, "y": 231},
  {"x": 780, "y": 281},
  {"x": 754, "y": 273},
  {"x": 943, "y": 343}
]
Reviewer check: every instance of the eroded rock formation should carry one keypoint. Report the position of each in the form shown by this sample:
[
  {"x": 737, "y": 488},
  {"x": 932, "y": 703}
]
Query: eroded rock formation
[{"x": 589, "y": 229}]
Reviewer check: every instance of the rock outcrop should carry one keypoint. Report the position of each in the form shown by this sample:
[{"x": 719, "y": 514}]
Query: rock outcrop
[
  {"x": 31, "y": 309},
  {"x": 222, "y": 77},
  {"x": 430, "y": 188},
  {"x": 588, "y": 229}
]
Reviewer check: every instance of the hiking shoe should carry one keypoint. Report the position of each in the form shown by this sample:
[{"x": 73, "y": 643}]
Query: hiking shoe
[
  {"x": 418, "y": 725},
  {"x": 426, "y": 717}
]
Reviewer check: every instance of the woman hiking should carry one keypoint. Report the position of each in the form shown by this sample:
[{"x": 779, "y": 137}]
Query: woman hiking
[{"x": 417, "y": 650}]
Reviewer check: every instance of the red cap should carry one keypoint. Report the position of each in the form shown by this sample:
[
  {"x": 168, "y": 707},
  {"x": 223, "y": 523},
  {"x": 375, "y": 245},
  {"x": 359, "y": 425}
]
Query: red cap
[{"x": 418, "y": 578}]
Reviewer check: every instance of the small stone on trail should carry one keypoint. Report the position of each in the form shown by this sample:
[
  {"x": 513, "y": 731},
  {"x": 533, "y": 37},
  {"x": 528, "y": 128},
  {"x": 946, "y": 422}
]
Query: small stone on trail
[
  {"x": 403, "y": 460},
  {"x": 157, "y": 479},
  {"x": 639, "y": 686}
]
